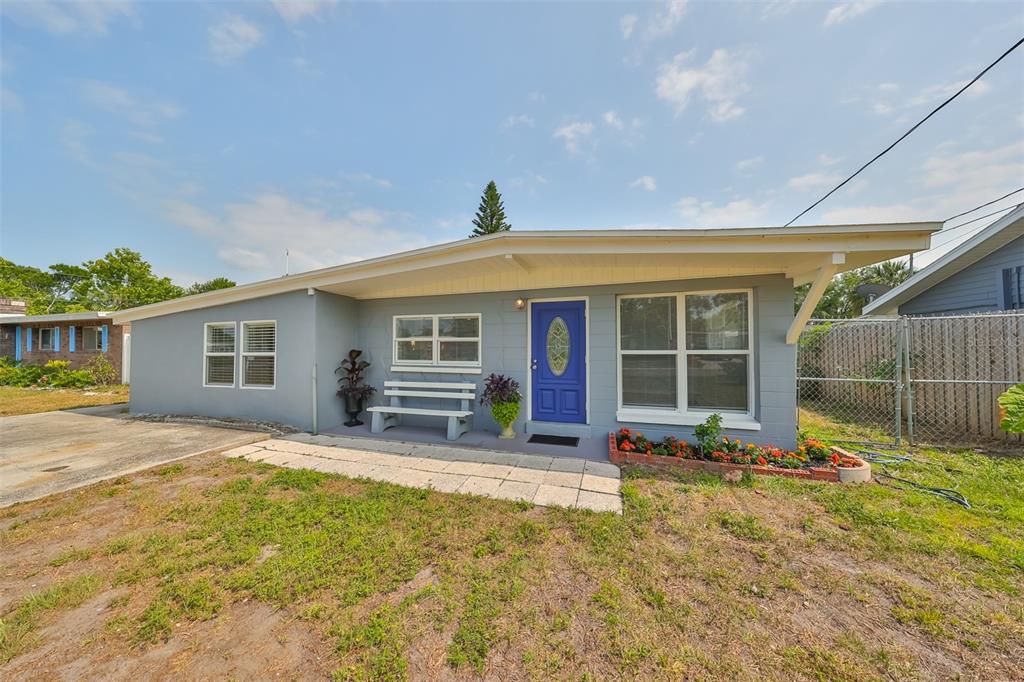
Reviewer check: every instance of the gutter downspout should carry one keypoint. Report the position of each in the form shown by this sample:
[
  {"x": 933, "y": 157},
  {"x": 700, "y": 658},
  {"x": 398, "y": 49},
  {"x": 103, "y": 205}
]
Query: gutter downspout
[{"x": 312, "y": 383}]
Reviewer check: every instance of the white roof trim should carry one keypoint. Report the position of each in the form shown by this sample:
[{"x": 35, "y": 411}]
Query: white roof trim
[
  {"x": 969, "y": 252},
  {"x": 57, "y": 317},
  {"x": 810, "y": 239}
]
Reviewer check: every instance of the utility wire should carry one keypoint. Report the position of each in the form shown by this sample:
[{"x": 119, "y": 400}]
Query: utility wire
[
  {"x": 989, "y": 203},
  {"x": 907, "y": 134},
  {"x": 974, "y": 220}
]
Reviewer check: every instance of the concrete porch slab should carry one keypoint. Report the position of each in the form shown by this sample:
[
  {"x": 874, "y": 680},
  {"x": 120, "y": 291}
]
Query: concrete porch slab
[{"x": 541, "y": 480}]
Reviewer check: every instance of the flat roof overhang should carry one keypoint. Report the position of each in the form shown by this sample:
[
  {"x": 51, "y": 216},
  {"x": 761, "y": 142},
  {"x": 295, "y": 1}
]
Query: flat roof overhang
[{"x": 512, "y": 261}]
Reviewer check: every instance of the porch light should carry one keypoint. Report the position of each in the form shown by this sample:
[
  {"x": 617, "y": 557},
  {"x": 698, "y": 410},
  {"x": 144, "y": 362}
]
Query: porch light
[{"x": 520, "y": 303}]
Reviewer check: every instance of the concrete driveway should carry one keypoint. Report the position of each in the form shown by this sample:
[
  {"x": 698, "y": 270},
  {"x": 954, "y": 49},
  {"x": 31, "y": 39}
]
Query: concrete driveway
[{"x": 42, "y": 454}]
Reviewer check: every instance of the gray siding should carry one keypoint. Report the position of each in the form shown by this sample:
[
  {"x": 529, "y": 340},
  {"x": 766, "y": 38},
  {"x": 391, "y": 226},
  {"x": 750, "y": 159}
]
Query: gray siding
[
  {"x": 167, "y": 363},
  {"x": 167, "y": 357},
  {"x": 337, "y": 332},
  {"x": 504, "y": 333},
  {"x": 974, "y": 289}
]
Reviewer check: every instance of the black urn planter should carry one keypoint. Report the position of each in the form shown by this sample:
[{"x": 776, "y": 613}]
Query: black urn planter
[{"x": 353, "y": 406}]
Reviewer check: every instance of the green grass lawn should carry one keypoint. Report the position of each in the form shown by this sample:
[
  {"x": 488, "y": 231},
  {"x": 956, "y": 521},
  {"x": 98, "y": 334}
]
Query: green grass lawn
[
  {"x": 31, "y": 400},
  {"x": 699, "y": 579}
]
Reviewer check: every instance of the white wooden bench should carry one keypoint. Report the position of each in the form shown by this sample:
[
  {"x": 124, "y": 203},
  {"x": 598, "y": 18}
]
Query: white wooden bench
[{"x": 459, "y": 421}]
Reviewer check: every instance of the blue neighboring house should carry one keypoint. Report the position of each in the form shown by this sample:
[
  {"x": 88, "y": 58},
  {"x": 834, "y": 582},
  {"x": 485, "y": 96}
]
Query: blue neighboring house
[
  {"x": 985, "y": 274},
  {"x": 648, "y": 329}
]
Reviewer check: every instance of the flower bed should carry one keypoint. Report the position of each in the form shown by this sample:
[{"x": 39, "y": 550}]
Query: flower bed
[{"x": 813, "y": 460}]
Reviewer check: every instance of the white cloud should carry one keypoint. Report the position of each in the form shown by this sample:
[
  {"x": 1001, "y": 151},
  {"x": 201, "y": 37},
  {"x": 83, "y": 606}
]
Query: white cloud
[
  {"x": 926, "y": 96},
  {"x": 295, "y": 11},
  {"x": 815, "y": 180},
  {"x": 946, "y": 184},
  {"x": 142, "y": 111},
  {"x": 517, "y": 120},
  {"x": 63, "y": 18},
  {"x": 720, "y": 82},
  {"x": 233, "y": 38},
  {"x": 826, "y": 160},
  {"x": 748, "y": 165},
  {"x": 627, "y": 24},
  {"x": 889, "y": 87},
  {"x": 612, "y": 119},
  {"x": 645, "y": 182},
  {"x": 536, "y": 97},
  {"x": 777, "y": 8},
  {"x": 742, "y": 212},
  {"x": 254, "y": 235},
  {"x": 848, "y": 10},
  {"x": 383, "y": 183},
  {"x": 574, "y": 134},
  {"x": 665, "y": 21}
]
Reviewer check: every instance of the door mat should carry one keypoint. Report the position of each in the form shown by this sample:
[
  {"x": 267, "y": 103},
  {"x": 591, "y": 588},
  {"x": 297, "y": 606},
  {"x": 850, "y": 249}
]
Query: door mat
[{"x": 568, "y": 441}]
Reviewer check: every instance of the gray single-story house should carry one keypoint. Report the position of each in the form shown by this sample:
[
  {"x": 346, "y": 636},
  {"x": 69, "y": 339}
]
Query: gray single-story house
[
  {"x": 984, "y": 274},
  {"x": 648, "y": 329}
]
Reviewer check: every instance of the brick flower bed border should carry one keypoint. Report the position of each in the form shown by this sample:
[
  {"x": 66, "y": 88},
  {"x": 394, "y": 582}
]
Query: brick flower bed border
[{"x": 859, "y": 474}]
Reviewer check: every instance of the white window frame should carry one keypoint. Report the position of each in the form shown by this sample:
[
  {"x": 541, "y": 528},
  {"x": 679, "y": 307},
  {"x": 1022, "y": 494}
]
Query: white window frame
[
  {"x": 53, "y": 335},
  {"x": 436, "y": 340},
  {"x": 682, "y": 415},
  {"x": 206, "y": 354},
  {"x": 243, "y": 355},
  {"x": 98, "y": 336}
]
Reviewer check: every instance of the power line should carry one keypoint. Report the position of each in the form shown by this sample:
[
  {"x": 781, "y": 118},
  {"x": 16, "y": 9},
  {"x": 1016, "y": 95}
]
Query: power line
[
  {"x": 974, "y": 220},
  {"x": 907, "y": 134},
  {"x": 989, "y": 203}
]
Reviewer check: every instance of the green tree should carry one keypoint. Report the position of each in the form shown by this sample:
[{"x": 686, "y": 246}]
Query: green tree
[
  {"x": 209, "y": 285},
  {"x": 490, "y": 216},
  {"x": 119, "y": 280},
  {"x": 29, "y": 284},
  {"x": 841, "y": 299}
]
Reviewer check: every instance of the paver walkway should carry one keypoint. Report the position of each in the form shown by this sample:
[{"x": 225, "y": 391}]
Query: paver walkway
[{"x": 545, "y": 481}]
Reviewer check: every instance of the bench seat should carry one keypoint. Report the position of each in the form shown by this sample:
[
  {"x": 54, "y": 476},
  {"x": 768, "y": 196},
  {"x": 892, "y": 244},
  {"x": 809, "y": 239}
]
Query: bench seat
[{"x": 459, "y": 420}]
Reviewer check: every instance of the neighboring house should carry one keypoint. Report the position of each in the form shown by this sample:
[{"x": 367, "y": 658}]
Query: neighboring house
[
  {"x": 984, "y": 274},
  {"x": 9, "y": 308},
  {"x": 75, "y": 337},
  {"x": 650, "y": 329}
]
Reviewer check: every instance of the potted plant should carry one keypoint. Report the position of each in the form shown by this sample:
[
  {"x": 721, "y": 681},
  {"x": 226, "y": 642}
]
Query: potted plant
[
  {"x": 354, "y": 392},
  {"x": 502, "y": 394}
]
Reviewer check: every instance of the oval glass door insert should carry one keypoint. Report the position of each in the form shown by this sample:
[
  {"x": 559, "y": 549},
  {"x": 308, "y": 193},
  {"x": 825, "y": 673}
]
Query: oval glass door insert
[{"x": 558, "y": 346}]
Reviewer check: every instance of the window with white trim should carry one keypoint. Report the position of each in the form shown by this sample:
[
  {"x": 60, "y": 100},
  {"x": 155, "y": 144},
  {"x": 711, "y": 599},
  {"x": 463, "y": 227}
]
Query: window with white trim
[
  {"x": 700, "y": 361},
  {"x": 437, "y": 340},
  {"x": 259, "y": 354},
  {"x": 218, "y": 354},
  {"x": 91, "y": 338},
  {"x": 46, "y": 338}
]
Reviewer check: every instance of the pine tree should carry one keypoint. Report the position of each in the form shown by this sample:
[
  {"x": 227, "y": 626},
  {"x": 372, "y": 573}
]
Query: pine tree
[{"x": 490, "y": 217}]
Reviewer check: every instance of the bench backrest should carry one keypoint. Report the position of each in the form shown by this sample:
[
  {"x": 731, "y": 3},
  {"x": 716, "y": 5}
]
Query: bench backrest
[{"x": 430, "y": 389}]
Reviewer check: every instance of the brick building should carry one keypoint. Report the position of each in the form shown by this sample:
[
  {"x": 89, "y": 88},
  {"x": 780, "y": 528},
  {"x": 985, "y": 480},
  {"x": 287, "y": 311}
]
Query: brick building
[{"x": 75, "y": 337}]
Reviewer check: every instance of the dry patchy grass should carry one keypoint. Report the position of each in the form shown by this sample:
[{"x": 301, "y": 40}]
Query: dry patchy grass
[
  {"x": 225, "y": 568},
  {"x": 31, "y": 400}
]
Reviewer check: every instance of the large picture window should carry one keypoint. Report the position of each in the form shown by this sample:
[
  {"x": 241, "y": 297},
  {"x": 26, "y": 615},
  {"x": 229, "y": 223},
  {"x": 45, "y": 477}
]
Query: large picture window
[
  {"x": 218, "y": 354},
  {"x": 437, "y": 340},
  {"x": 259, "y": 354},
  {"x": 686, "y": 354}
]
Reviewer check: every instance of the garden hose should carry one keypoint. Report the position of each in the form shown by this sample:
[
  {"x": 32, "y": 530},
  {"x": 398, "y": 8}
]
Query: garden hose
[{"x": 884, "y": 460}]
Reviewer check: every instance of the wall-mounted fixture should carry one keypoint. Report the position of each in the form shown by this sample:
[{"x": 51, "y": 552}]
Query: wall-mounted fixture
[{"x": 520, "y": 303}]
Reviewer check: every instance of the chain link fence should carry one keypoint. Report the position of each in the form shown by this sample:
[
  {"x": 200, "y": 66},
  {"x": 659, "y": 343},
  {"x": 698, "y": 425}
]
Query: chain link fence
[{"x": 925, "y": 380}]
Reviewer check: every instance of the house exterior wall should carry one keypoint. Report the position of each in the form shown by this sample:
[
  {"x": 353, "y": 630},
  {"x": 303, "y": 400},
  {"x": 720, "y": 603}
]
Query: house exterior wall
[
  {"x": 975, "y": 289},
  {"x": 504, "y": 349},
  {"x": 319, "y": 329},
  {"x": 167, "y": 363},
  {"x": 78, "y": 358}
]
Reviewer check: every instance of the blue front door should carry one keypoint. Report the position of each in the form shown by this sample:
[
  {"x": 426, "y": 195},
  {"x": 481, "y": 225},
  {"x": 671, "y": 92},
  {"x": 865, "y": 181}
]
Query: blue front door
[{"x": 558, "y": 367}]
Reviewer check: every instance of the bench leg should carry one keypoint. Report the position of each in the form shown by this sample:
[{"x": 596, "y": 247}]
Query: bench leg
[
  {"x": 381, "y": 421},
  {"x": 458, "y": 426}
]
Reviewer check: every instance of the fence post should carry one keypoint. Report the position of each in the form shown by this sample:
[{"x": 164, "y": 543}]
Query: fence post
[
  {"x": 898, "y": 385},
  {"x": 909, "y": 384}
]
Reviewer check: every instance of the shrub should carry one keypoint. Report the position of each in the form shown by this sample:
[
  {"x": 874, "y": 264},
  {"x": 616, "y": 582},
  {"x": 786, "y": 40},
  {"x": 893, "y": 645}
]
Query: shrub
[
  {"x": 55, "y": 373},
  {"x": 708, "y": 433},
  {"x": 101, "y": 372},
  {"x": 1011, "y": 409},
  {"x": 499, "y": 388}
]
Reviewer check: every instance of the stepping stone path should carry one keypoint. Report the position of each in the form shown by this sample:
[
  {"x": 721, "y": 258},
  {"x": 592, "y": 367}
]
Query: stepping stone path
[{"x": 544, "y": 481}]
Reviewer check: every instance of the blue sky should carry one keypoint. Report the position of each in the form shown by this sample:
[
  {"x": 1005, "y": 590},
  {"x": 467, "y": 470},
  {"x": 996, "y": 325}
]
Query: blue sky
[{"x": 212, "y": 136}]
